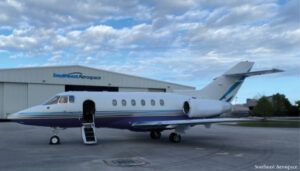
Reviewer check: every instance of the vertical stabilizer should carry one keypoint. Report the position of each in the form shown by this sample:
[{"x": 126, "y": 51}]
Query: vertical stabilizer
[{"x": 224, "y": 87}]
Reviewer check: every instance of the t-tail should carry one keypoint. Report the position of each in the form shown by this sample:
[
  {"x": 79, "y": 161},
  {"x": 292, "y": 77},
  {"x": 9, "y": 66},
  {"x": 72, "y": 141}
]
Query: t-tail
[{"x": 226, "y": 86}]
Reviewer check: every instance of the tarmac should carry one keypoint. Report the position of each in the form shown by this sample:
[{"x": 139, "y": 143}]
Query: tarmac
[{"x": 221, "y": 147}]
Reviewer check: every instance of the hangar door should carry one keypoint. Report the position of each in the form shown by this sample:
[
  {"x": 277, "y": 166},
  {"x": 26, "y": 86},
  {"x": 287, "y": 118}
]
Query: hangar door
[
  {"x": 15, "y": 97},
  {"x": 89, "y": 88}
]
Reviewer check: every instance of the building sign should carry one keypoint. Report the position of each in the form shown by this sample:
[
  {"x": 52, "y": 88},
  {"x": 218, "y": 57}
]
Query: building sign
[{"x": 76, "y": 75}]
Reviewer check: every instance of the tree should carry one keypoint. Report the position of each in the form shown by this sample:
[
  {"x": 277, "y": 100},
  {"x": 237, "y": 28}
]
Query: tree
[
  {"x": 263, "y": 108},
  {"x": 281, "y": 105},
  {"x": 298, "y": 104},
  {"x": 295, "y": 110},
  {"x": 276, "y": 105}
]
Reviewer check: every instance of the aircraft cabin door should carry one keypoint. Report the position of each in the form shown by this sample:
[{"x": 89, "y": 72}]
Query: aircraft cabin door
[
  {"x": 88, "y": 122},
  {"x": 88, "y": 111}
]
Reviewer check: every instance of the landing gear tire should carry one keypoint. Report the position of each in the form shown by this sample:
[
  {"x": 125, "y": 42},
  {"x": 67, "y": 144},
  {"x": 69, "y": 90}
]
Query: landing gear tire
[
  {"x": 54, "y": 140},
  {"x": 175, "y": 138},
  {"x": 155, "y": 135}
]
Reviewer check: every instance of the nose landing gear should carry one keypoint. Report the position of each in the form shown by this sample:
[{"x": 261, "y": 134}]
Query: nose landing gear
[{"x": 54, "y": 140}]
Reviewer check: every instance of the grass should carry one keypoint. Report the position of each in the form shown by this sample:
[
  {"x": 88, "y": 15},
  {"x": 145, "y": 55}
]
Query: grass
[
  {"x": 271, "y": 124},
  {"x": 268, "y": 123}
]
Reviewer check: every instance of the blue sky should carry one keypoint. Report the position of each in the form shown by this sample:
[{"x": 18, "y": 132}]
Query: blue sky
[{"x": 188, "y": 42}]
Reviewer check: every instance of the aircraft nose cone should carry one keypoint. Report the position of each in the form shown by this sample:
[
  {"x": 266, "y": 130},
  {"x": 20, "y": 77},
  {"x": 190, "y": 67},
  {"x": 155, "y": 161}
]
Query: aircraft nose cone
[{"x": 13, "y": 116}]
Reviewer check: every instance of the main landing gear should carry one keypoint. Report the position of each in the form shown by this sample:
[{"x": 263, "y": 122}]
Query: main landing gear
[
  {"x": 155, "y": 135},
  {"x": 54, "y": 140},
  {"x": 173, "y": 137}
]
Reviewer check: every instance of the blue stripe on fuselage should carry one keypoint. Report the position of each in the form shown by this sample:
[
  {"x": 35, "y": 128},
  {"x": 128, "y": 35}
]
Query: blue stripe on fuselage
[
  {"x": 102, "y": 113},
  {"x": 108, "y": 122},
  {"x": 112, "y": 119}
]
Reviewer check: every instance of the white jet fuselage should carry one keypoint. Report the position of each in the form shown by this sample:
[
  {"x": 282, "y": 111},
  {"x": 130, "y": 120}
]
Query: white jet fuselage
[
  {"x": 119, "y": 109},
  {"x": 141, "y": 111}
]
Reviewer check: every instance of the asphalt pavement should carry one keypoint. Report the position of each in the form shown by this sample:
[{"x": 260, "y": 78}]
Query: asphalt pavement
[{"x": 221, "y": 147}]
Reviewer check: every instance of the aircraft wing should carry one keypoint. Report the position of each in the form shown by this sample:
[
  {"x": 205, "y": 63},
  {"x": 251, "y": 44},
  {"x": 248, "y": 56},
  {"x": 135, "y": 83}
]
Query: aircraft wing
[{"x": 188, "y": 122}]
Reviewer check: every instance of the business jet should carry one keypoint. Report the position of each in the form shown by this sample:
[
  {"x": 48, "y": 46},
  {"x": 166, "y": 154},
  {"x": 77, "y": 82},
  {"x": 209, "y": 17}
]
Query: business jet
[{"x": 140, "y": 111}]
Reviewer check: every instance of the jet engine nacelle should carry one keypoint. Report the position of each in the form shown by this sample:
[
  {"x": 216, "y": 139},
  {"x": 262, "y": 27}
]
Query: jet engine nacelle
[{"x": 205, "y": 108}]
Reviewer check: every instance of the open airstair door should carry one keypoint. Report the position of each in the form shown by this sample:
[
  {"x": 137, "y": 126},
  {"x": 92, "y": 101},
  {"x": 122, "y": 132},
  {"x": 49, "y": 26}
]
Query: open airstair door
[
  {"x": 88, "y": 133},
  {"x": 88, "y": 123}
]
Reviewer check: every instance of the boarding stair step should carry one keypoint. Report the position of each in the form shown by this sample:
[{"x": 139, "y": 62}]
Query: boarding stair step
[{"x": 88, "y": 133}]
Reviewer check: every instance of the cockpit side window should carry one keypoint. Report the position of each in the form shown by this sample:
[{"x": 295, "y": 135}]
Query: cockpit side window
[
  {"x": 54, "y": 100},
  {"x": 71, "y": 99},
  {"x": 63, "y": 99}
]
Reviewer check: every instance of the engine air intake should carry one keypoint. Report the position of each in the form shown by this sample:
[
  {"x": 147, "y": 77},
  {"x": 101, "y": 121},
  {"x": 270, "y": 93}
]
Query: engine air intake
[{"x": 186, "y": 107}]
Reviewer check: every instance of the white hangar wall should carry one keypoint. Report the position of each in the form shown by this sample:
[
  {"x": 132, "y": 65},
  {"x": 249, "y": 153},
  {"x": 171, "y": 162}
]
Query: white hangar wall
[
  {"x": 21, "y": 88},
  {"x": 18, "y": 96},
  {"x": 39, "y": 93}
]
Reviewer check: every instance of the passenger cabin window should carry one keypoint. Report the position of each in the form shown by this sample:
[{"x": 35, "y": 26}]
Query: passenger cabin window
[
  {"x": 133, "y": 103},
  {"x": 114, "y": 102},
  {"x": 143, "y": 103},
  {"x": 161, "y": 102},
  {"x": 152, "y": 102},
  {"x": 63, "y": 99},
  {"x": 71, "y": 99},
  {"x": 123, "y": 102}
]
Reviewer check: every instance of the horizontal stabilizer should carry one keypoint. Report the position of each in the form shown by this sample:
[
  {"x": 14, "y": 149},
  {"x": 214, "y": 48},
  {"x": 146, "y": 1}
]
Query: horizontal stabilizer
[{"x": 248, "y": 74}]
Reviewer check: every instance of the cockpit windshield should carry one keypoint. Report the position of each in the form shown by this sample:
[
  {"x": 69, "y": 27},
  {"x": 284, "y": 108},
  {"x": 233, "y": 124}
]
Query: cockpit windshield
[
  {"x": 61, "y": 100},
  {"x": 54, "y": 100},
  {"x": 71, "y": 99}
]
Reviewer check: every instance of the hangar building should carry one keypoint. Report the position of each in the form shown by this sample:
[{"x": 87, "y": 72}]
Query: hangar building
[{"x": 21, "y": 88}]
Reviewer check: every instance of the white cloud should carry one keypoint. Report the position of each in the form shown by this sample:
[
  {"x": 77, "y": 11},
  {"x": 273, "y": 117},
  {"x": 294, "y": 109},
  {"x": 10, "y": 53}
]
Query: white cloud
[
  {"x": 17, "y": 42},
  {"x": 17, "y": 5},
  {"x": 171, "y": 38}
]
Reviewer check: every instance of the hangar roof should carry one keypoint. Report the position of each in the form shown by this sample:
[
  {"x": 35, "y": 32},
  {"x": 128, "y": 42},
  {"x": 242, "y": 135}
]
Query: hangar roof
[{"x": 82, "y": 75}]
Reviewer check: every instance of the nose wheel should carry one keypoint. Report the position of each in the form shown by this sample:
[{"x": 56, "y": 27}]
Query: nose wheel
[
  {"x": 175, "y": 138},
  {"x": 54, "y": 140}
]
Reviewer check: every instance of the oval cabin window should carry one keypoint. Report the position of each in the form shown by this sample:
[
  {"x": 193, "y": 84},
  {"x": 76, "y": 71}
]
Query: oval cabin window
[
  {"x": 153, "y": 102},
  {"x": 114, "y": 102},
  {"x": 133, "y": 103},
  {"x": 161, "y": 102},
  {"x": 143, "y": 103},
  {"x": 123, "y": 102}
]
